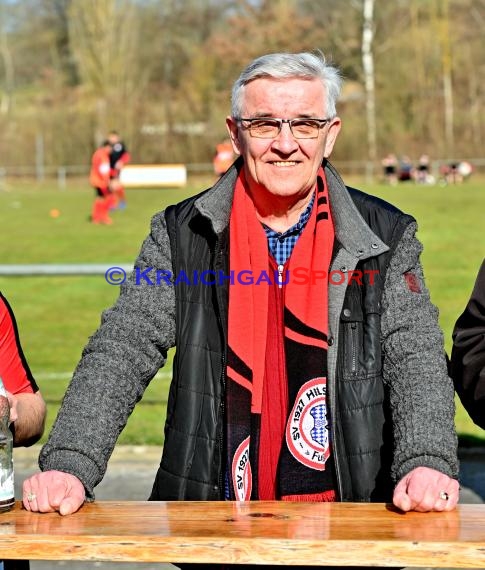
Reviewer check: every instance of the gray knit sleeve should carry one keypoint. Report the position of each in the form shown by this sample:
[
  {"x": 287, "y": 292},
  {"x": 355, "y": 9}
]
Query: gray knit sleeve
[
  {"x": 116, "y": 366},
  {"x": 414, "y": 368}
]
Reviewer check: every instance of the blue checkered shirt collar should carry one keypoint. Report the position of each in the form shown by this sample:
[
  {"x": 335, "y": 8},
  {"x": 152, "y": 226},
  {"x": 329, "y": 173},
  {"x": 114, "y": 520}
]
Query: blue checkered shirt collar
[{"x": 282, "y": 244}]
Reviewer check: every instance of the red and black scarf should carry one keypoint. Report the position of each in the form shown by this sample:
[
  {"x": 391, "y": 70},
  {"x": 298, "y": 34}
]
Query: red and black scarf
[{"x": 278, "y": 441}]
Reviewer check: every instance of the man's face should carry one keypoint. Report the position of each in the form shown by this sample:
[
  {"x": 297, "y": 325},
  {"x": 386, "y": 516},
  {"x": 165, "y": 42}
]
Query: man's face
[{"x": 283, "y": 166}]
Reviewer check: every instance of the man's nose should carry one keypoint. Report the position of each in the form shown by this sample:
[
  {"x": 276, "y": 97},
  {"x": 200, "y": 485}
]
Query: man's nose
[{"x": 285, "y": 141}]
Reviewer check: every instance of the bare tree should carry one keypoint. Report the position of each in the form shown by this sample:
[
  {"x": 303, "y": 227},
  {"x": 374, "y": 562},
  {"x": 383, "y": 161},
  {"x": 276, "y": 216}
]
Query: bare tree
[
  {"x": 368, "y": 66},
  {"x": 104, "y": 38},
  {"x": 441, "y": 23},
  {"x": 8, "y": 67}
]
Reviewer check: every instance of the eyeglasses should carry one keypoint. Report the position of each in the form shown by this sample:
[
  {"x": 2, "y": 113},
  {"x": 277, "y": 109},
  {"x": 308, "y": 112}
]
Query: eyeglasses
[{"x": 270, "y": 128}]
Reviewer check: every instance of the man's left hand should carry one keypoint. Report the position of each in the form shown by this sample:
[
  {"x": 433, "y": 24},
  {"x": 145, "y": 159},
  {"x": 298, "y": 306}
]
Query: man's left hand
[{"x": 424, "y": 489}]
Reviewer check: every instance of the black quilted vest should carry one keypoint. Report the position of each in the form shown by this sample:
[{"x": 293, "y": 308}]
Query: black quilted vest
[{"x": 192, "y": 463}]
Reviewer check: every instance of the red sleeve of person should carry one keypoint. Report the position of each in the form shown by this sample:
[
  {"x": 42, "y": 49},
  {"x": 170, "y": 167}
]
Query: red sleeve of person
[{"x": 14, "y": 370}]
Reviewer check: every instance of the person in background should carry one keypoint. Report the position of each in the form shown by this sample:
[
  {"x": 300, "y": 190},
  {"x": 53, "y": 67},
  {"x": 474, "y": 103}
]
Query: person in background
[
  {"x": 422, "y": 173},
  {"x": 455, "y": 172},
  {"x": 389, "y": 165},
  {"x": 406, "y": 169},
  {"x": 27, "y": 406},
  {"x": 309, "y": 366},
  {"x": 223, "y": 158},
  {"x": 119, "y": 157},
  {"x": 99, "y": 178},
  {"x": 467, "y": 367}
]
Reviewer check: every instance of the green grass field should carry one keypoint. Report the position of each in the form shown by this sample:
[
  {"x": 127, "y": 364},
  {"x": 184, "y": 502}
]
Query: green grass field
[{"x": 56, "y": 315}]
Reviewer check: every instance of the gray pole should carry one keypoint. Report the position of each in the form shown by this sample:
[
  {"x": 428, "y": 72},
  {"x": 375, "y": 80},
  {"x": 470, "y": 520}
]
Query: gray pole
[{"x": 39, "y": 157}]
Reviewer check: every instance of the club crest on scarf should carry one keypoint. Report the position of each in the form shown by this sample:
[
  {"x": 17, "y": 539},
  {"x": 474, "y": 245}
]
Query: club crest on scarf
[
  {"x": 241, "y": 472},
  {"x": 307, "y": 430}
]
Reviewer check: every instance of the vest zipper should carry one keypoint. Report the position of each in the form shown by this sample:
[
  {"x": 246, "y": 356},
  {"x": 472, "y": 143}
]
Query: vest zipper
[
  {"x": 335, "y": 433},
  {"x": 220, "y": 438},
  {"x": 353, "y": 339},
  {"x": 280, "y": 275}
]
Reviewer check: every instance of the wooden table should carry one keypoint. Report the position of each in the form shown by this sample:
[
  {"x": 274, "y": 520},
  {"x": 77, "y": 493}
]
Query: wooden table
[{"x": 339, "y": 534}]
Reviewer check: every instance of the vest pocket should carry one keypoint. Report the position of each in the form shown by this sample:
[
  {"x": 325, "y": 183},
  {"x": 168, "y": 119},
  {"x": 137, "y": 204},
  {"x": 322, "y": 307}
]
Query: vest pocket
[
  {"x": 352, "y": 344},
  {"x": 359, "y": 344},
  {"x": 351, "y": 340}
]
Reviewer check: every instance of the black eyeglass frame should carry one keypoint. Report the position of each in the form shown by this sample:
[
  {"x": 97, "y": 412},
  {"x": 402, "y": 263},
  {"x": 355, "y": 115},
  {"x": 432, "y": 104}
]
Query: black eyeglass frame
[{"x": 321, "y": 124}]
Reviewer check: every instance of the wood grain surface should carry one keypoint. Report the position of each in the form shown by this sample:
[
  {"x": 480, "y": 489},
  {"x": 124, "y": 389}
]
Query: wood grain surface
[{"x": 279, "y": 533}]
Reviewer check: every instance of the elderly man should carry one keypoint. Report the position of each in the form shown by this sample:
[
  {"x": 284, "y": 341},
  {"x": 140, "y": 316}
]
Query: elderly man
[{"x": 309, "y": 363}]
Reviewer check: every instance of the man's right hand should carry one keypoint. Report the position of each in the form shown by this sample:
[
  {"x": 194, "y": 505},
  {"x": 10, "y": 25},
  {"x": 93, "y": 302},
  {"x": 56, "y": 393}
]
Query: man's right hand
[{"x": 51, "y": 491}]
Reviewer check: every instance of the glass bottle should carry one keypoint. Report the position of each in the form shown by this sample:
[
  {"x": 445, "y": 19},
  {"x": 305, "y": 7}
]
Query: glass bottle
[{"x": 7, "y": 493}]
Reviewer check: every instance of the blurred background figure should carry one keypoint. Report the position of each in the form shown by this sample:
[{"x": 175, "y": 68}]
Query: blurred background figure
[
  {"x": 449, "y": 174},
  {"x": 118, "y": 158},
  {"x": 99, "y": 178},
  {"x": 223, "y": 158},
  {"x": 423, "y": 174},
  {"x": 389, "y": 165},
  {"x": 455, "y": 172},
  {"x": 406, "y": 169}
]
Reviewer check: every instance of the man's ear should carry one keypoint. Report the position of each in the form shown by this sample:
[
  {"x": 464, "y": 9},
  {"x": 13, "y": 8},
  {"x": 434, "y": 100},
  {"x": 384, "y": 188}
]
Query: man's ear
[
  {"x": 331, "y": 136},
  {"x": 233, "y": 130}
]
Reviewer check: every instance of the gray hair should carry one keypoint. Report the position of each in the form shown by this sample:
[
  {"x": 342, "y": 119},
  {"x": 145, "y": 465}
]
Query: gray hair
[{"x": 288, "y": 65}]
